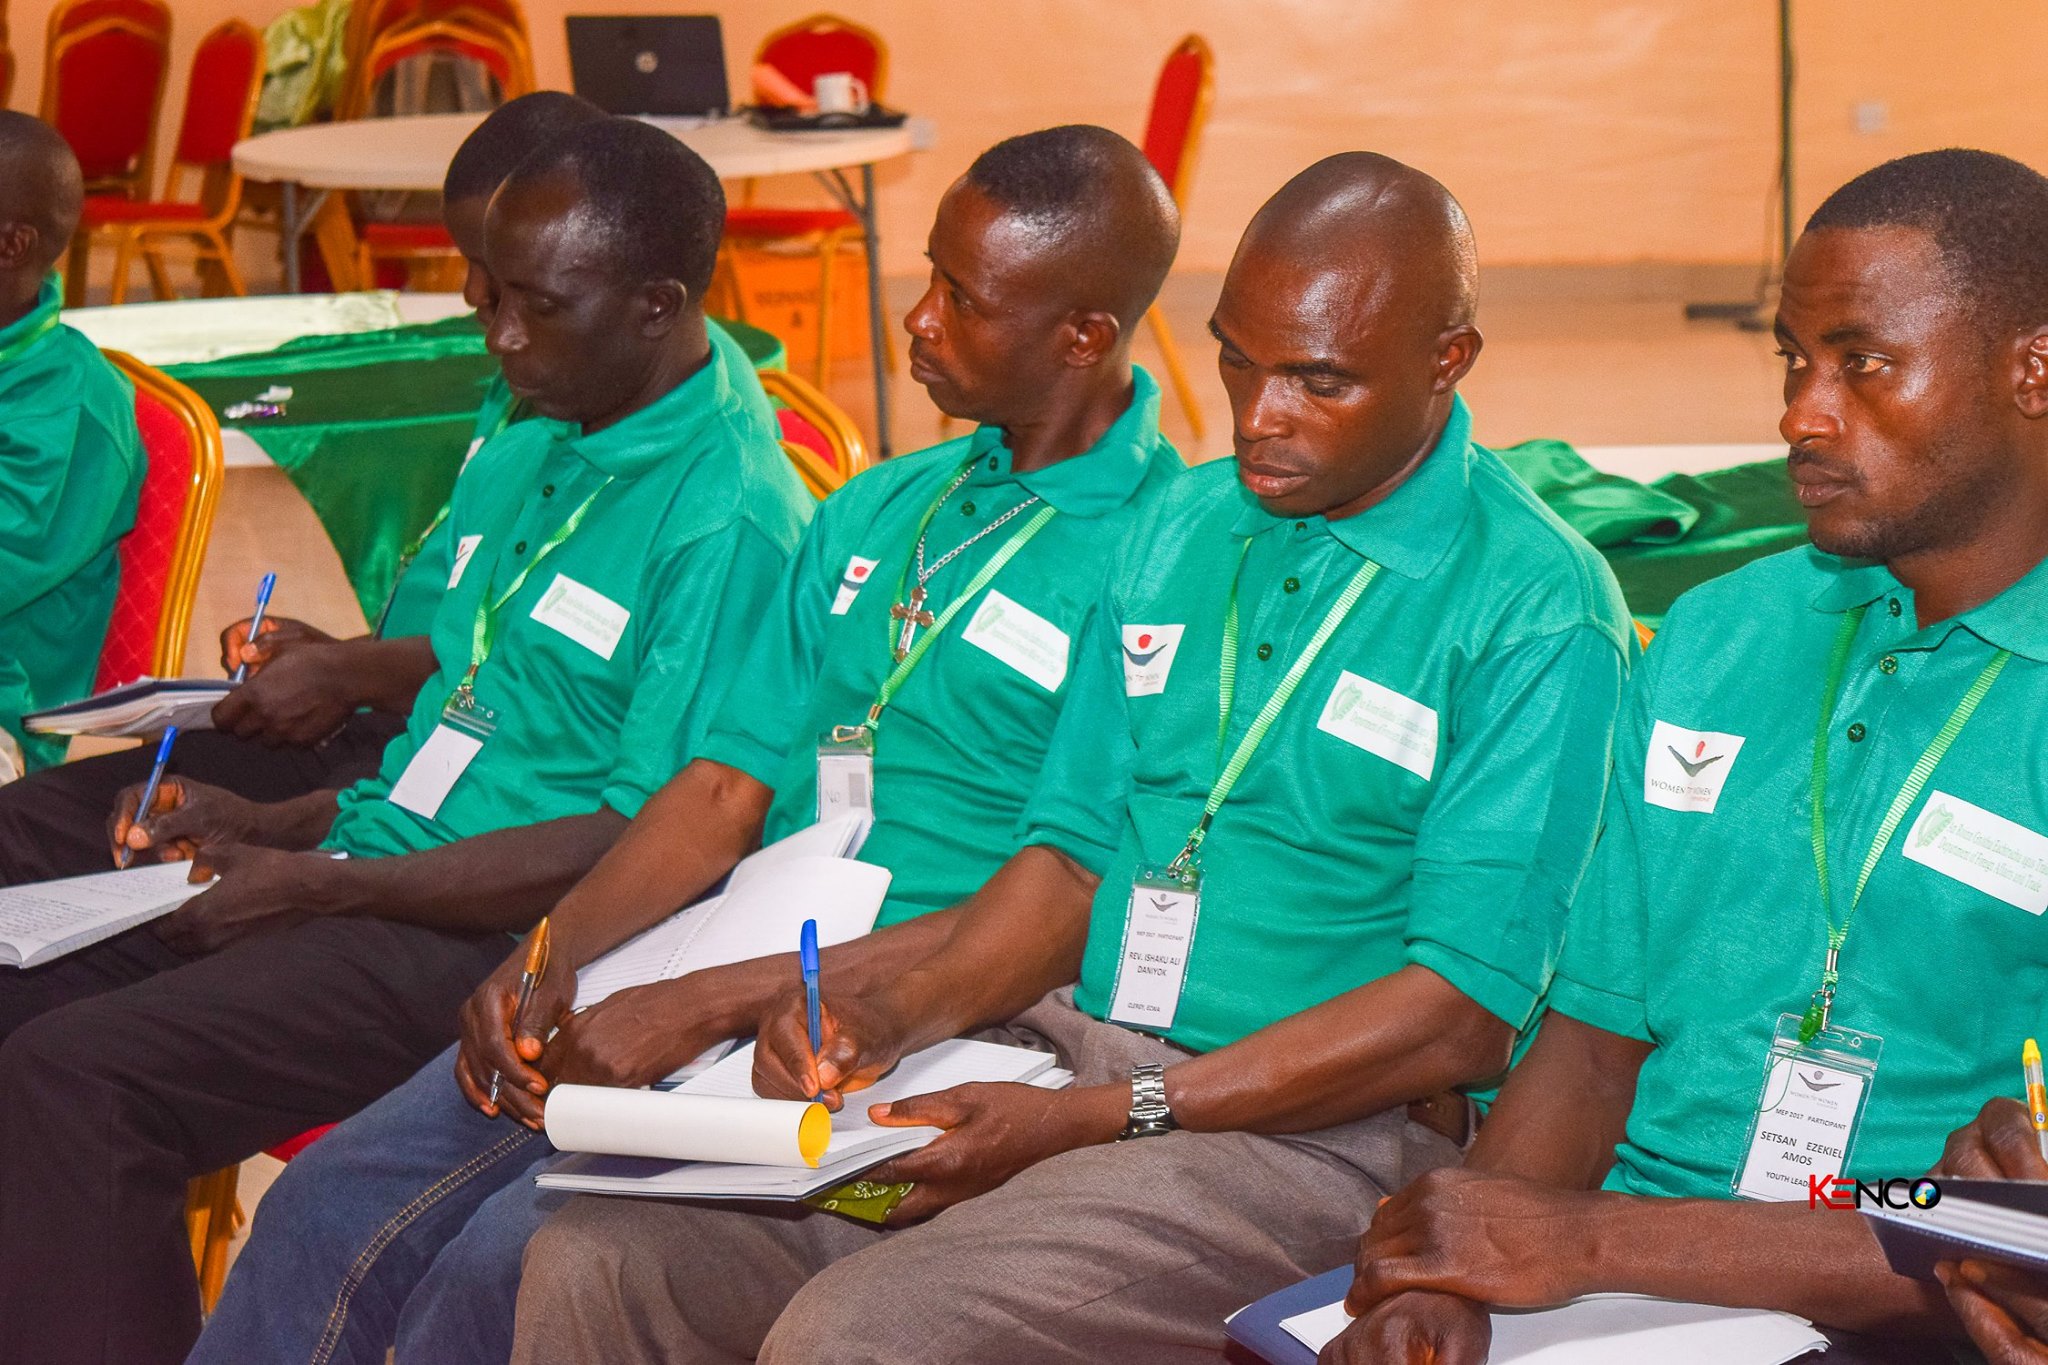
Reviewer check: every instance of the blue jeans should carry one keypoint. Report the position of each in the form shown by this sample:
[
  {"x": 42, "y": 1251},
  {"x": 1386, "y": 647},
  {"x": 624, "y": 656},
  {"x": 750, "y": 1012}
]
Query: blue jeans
[{"x": 404, "y": 1226}]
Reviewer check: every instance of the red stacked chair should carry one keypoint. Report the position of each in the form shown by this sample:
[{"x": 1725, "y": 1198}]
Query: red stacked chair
[{"x": 103, "y": 82}]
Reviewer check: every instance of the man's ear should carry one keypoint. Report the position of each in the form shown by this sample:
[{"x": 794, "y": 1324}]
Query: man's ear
[
  {"x": 1090, "y": 337},
  {"x": 661, "y": 304},
  {"x": 2031, "y": 391},
  {"x": 1456, "y": 349},
  {"x": 19, "y": 244}
]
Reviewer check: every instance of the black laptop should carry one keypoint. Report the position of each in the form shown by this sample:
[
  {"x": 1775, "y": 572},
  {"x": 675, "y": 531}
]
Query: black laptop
[{"x": 670, "y": 64}]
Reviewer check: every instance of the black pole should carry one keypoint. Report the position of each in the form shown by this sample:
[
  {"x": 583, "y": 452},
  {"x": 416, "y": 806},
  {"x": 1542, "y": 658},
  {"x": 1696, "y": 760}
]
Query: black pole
[{"x": 1748, "y": 314}]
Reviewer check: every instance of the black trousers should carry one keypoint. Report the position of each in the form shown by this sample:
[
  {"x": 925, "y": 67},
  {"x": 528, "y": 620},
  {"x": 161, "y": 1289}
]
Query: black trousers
[
  {"x": 126, "y": 1070},
  {"x": 54, "y": 823}
]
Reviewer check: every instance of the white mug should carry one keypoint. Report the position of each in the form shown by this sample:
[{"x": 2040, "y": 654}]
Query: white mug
[{"x": 840, "y": 92}]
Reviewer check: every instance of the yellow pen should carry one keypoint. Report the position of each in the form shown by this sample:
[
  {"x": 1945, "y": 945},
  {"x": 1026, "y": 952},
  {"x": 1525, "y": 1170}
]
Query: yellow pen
[{"x": 2037, "y": 1093}]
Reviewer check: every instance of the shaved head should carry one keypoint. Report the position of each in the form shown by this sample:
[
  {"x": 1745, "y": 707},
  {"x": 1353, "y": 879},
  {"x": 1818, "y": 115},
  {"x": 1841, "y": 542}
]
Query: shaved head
[
  {"x": 40, "y": 195},
  {"x": 1045, "y": 257},
  {"x": 1379, "y": 228},
  {"x": 1345, "y": 326}
]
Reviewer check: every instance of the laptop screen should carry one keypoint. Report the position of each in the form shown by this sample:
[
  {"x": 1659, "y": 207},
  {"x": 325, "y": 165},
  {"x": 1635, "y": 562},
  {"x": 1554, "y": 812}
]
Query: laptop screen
[{"x": 670, "y": 64}]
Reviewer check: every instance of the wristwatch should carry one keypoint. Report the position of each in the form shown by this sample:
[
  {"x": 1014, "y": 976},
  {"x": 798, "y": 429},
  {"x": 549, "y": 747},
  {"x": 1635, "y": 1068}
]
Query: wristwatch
[{"x": 1149, "y": 1115}]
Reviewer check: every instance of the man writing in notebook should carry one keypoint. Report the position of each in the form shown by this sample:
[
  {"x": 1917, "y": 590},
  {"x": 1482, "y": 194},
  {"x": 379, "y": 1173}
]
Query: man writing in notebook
[
  {"x": 406, "y": 1225},
  {"x": 1811, "y": 934},
  {"x": 616, "y": 554},
  {"x": 315, "y": 713},
  {"x": 1305, "y": 706},
  {"x": 71, "y": 460}
]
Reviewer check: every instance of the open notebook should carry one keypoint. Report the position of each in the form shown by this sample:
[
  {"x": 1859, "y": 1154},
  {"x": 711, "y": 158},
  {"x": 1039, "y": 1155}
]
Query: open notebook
[
  {"x": 809, "y": 875},
  {"x": 1289, "y": 1327},
  {"x": 856, "y": 1143},
  {"x": 45, "y": 920},
  {"x": 146, "y": 706},
  {"x": 1985, "y": 1220}
]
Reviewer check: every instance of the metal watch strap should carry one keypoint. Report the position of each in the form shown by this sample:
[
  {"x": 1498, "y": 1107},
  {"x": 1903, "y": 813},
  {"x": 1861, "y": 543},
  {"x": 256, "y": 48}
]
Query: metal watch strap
[{"x": 1150, "y": 1115}]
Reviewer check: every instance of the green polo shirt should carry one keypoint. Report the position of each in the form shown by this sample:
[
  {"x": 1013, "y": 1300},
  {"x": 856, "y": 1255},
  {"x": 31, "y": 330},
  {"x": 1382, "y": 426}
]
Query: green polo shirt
[
  {"x": 71, "y": 466},
  {"x": 425, "y": 577},
  {"x": 961, "y": 747},
  {"x": 1429, "y": 795},
  {"x": 686, "y": 539},
  {"x": 1698, "y": 928}
]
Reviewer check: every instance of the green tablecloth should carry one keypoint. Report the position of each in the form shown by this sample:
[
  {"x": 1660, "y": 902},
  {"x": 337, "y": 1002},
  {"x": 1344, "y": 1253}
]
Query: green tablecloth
[
  {"x": 376, "y": 427},
  {"x": 1665, "y": 537}
]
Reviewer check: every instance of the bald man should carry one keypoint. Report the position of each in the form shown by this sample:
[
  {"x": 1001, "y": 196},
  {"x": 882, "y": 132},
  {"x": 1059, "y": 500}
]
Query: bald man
[
  {"x": 406, "y": 1225},
  {"x": 1351, "y": 695},
  {"x": 71, "y": 461}
]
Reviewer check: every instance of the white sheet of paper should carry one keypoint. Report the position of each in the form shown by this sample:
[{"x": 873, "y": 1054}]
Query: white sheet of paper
[
  {"x": 677, "y": 1125},
  {"x": 1616, "y": 1329},
  {"x": 44, "y": 920},
  {"x": 434, "y": 770},
  {"x": 766, "y": 901}
]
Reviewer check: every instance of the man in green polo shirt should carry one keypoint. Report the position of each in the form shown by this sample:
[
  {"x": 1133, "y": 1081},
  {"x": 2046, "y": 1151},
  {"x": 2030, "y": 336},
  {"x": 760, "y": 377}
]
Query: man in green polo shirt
[
  {"x": 613, "y": 557},
  {"x": 1328, "y": 778},
  {"x": 71, "y": 461},
  {"x": 407, "y": 1223},
  {"x": 315, "y": 712},
  {"x": 1811, "y": 941}
]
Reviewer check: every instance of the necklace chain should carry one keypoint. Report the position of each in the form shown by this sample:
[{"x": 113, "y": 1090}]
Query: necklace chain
[{"x": 924, "y": 575}]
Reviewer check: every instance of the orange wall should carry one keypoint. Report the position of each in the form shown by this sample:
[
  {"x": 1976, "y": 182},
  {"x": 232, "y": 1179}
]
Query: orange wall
[{"x": 1574, "y": 130}]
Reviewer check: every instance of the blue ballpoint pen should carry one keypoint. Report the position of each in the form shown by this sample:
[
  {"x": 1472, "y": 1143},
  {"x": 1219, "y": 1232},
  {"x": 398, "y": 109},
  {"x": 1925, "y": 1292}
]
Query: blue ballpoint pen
[
  {"x": 156, "y": 779},
  {"x": 807, "y": 955},
  {"x": 256, "y": 622}
]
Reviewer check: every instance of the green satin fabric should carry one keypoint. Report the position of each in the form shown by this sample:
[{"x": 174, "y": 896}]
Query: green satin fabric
[
  {"x": 1667, "y": 537},
  {"x": 376, "y": 428}
]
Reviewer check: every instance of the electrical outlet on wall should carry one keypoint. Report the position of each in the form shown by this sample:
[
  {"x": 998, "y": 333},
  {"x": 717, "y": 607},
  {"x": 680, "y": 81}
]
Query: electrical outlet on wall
[{"x": 1870, "y": 117}]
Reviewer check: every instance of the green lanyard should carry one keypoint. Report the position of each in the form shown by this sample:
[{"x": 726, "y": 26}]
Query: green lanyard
[
  {"x": 419, "y": 542},
  {"x": 893, "y": 684},
  {"x": 1816, "y": 1017},
  {"x": 1255, "y": 733},
  {"x": 484, "y": 634},
  {"x": 14, "y": 349}
]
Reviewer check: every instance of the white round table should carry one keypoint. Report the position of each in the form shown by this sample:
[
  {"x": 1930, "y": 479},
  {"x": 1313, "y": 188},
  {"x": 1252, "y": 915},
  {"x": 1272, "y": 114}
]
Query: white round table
[{"x": 413, "y": 152}]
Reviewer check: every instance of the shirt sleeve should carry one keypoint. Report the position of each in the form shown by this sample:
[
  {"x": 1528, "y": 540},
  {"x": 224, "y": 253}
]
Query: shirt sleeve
[
  {"x": 65, "y": 495},
  {"x": 693, "y": 636},
  {"x": 1601, "y": 977},
  {"x": 1510, "y": 829},
  {"x": 759, "y": 724},
  {"x": 1080, "y": 801}
]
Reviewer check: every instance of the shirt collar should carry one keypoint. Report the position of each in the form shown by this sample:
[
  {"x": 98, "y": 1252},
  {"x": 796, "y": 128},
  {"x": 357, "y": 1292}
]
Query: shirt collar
[
  {"x": 1412, "y": 530},
  {"x": 2015, "y": 620},
  {"x": 671, "y": 425},
  {"x": 1101, "y": 478},
  {"x": 36, "y": 322}
]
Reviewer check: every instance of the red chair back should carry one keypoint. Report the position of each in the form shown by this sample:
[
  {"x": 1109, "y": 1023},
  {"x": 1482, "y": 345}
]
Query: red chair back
[
  {"x": 103, "y": 86},
  {"x": 160, "y": 558},
  {"x": 148, "y": 14},
  {"x": 1180, "y": 105},
  {"x": 798, "y": 430},
  {"x": 811, "y": 47},
  {"x": 227, "y": 75}
]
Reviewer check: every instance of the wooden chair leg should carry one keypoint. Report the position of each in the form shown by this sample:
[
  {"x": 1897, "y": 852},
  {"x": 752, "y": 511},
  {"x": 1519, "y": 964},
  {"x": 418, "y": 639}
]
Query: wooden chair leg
[
  {"x": 212, "y": 1213},
  {"x": 828, "y": 257},
  {"x": 159, "y": 273},
  {"x": 224, "y": 257},
  {"x": 335, "y": 237},
  {"x": 1176, "y": 373},
  {"x": 78, "y": 260},
  {"x": 124, "y": 258}
]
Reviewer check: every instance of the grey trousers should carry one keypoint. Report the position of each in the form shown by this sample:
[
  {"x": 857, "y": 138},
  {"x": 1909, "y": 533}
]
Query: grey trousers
[{"x": 1132, "y": 1252}]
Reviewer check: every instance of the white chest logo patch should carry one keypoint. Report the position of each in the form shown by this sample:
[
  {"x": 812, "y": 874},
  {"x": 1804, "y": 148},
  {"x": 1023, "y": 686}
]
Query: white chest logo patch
[
  {"x": 1686, "y": 769},
  {"x": 850, "y": 582},
  {"x": 1021, "y": 638},
  {"x": 1148, "y": 657},
  {"x": 464, "y": 548},
  {"x": 583, "y": 614},
  {"x": 1381, "y": 721}
]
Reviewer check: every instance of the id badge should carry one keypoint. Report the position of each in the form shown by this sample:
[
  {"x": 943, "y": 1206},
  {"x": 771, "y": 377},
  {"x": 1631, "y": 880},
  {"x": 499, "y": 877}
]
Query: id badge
[
  {"x": 846, "y": 771},
  {"x": 1808, "y": 1111},
  {"x": 1159, "y": 933},
  {"x": 441, "y": 761}
]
